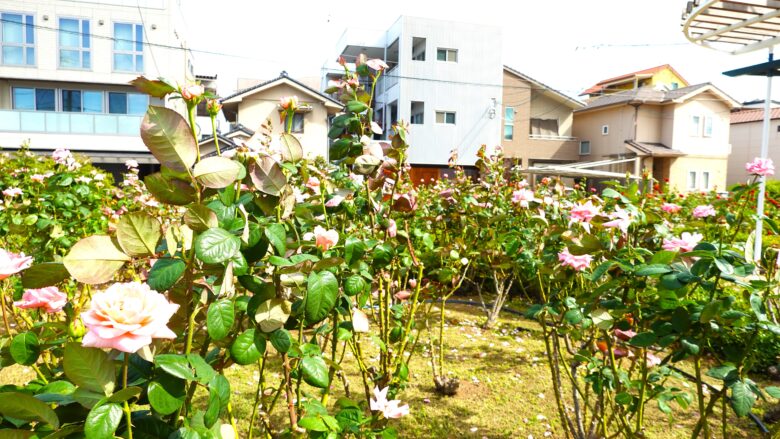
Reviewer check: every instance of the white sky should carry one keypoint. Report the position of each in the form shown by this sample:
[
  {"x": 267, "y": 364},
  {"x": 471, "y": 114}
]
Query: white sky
[{"x": 566, "y": 44}]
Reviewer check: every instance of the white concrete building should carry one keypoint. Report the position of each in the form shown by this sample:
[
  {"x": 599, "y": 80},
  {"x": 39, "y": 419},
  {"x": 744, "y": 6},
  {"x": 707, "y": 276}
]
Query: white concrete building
[
  {"x": 445, "y": 79},
  {"x": 65, "y": 67}
]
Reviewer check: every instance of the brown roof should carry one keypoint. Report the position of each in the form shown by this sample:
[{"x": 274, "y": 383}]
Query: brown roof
[
  {"x": 753, "y": 115},
  {"x": 600, "y": 85},
  {"x": 653, "y": 149},
  {"x": 641, "y": 95}
]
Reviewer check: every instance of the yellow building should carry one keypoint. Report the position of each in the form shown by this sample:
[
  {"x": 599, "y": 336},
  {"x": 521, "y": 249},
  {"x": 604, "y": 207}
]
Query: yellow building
[{"x": 664, "y": 76}]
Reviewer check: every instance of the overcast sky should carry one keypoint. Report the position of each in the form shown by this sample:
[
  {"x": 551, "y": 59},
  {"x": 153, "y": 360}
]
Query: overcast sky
[{"x": 566, "y": 44}]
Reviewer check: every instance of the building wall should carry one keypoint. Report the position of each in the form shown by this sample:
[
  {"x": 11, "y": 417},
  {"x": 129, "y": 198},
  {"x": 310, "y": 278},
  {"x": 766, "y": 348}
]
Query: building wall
[
  {"x": 649, "y": 127},
  {"x": 666, "y": 77},
  {"x": 588, "y": 125},
  {"x": 681, "y": 166},
  {"x": 702, "y": 105},
  {"x": 255, "y": 109},
  {"x": 746, "y": 145}
]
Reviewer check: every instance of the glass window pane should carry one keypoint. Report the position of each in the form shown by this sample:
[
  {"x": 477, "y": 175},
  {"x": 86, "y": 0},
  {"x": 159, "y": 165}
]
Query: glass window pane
[
  {"x": 92, "y": 101},
  {"x": 123, "y": 36},
  {"x": 24, "y": 98},
  {"x": 123, "y": 62},
  {"x": 451, "y": 118},
  {"x": 85, "y": 34},
  {"x": 70, "y": 59},
  {"x": 441, "y": 55},
  {"x": 30, "y": 29},
  {"x": 297, "y": 123},
  {"x": 30, "y": 56},
  {"x": 452, "y": 55},
  {"x": 137, "y": 103},
  {"x": 13, "y": 55},
  {"x": 12, "y": 28},
  {"x": 117, "y": 103},
  {"x": 508, "y": 132},
  {"x": 86, "y": 60},
  {"x": 44, "y": 99},
  {"x": 139, "y": 38},
  {"x": 439, "y": 117},
  {"x": 139, "y": 63},
  {"x": 69, "y": 32},
  {"x": 71, "y": 100}
]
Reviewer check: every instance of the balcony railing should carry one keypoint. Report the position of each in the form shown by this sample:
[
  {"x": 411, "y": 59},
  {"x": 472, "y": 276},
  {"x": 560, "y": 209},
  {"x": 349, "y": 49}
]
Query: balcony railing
[
  {"x": 549, "y": 137},
  {"x": 52, "y": 122},
  {"x": 387, "y": 80}
]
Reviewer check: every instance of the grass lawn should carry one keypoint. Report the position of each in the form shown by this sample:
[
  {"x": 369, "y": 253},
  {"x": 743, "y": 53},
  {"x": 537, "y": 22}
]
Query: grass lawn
[{"x": 505, "y": 388}]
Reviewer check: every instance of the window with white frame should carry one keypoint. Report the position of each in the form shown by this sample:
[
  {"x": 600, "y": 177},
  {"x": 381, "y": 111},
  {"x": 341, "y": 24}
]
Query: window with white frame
[
  {"x": 297, "y": 123},
  {"x": 128, "y": 47},
  {"x": 449, "y": 55},
  {"x": 695, "y": 126},
  {"x": 446, "y": 117},
  {"x": 705, "y": 180},
  {"x": 17, "y": 39},
  {"x": 707, "y": 126},
  {"x": 585, "y": 147},
  {"x": 509, "y": 123},
  {"x": 75, "y": 43},
  {"x": 83, "y": 101},
  {"x": 604, "y": 130},
  {"x": 127, "y": 103},
  {"x": 418, "y": 49},
  {"x": 35, "y": 99},
  {"x": 692, "y": 180},
  {"x": 699, "y": 180},
  {"x": 418, "y": 113}
]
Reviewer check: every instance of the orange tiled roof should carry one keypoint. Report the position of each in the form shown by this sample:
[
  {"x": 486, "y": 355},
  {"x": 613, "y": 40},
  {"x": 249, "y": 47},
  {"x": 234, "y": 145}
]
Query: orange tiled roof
[
  {"x": 600, "y": 85},
  {"x": 753, "y": 115}
]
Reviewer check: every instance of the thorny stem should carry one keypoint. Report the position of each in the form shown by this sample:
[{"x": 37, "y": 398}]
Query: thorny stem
[
  {"x": 288, "y": 390},
  {"x": 700, "y": 396},
  {"x": 127, "y": 406},
  {"x": 258, "y": 392}
]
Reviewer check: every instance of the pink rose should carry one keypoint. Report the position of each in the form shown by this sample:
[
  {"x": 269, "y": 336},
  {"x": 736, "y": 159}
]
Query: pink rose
[
  {"x": 377, "y": 64},
  {"x": 620, "y": 220},
  {"x": 192, "y": 92},
  {"x": 624, "y": 335},
  {"x": 12, "y": 192},
  {"x": 374, "y": 149},
  {"x": 403, "y": 295},
  {"x": 126, "y": 317},
  {"x": 578, "y": 263},
  {"x": 651, "y": 360},
  {"x": 313, "y": 183},
  {"x": 49, "y": 298},
  {"x": 325, "y": 239},
  {"x": 392, "y": 228},
  {"x": 703, "y": 211},
  {"x": 524, "y": 197},
  {"x": 583, "y": 213},
  {"x": 61, "y": 156},
  {"x": 685, "y": 243},
  {"x": 131, "y": 164},
  {"x": 38, "y": 178},
  {"x": 761, "y": 166},
  {"x": 12, "y": 263},
  {"x": 359, "y": 321},
  {"x": 671, "y": 208},
  {"x": 389, "y": 409}
]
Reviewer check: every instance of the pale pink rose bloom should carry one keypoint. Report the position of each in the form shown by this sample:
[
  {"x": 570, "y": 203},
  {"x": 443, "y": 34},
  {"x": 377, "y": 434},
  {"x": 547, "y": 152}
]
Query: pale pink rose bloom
[
  {"x": 703, "y": 211},
  {"x": 671, "y": 208},
  {"x": 375, "y": 128},
  {"x": 131, "y": 164},
  {"x": 38, "y": 178},
  {"x": 61, "y": 156},
  {"x": 524, "y": 197},
  {"x": 403, "y": 295},
  {"x": 620, "y": 220},
  {"x": 12, "y": 192},
  {"x": 313, "y": 183},
  {"x": 359, "y": 321},
  {"x": 583, "y": 213},
  {"x": 126, "y": 317},
  {"x": 624, "y": 335},
  {"x": 761, "y": 166},
  {"x": 288, "y": 102},
  {"x": 685, "y": 243},
  {"x": 12, "y": 263},
  {"x": 651, "y": 360},
  {"x": 193, "y": 91},
  {"x": 374, "y": 149},
  {"x": 325, "y": 239},
  {"x": 413, "y": 283},
  {"x": 392, "y": 228},
  {"x": 377, "y": 64},
  {"x": 83, "y": 179},
  {"x": 578, "y": 263},
  {"x": 49, "y": 298},
  {"x": 390, "y": 409},
  {"x": 335, "y": 201}
]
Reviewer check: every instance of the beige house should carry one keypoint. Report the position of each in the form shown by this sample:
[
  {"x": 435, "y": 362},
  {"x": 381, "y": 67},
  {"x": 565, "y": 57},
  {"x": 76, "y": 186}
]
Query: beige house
[
  {"x": 255, "y": 105},
  {"x": 538, "y": 121},
  {"x": 746, "y": 135},
  {"x": 677, "y": 135}
]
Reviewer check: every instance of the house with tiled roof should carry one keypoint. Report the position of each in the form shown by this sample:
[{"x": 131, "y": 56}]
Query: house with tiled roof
[
  {"x": 660, "y": 77},
  {"x": 680, "y": 136},
  {"x": 745, "y": 137}
]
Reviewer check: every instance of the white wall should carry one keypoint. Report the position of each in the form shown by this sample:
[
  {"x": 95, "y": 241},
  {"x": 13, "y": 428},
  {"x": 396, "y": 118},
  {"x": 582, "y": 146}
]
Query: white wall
[{"x": 702, "y": 105}]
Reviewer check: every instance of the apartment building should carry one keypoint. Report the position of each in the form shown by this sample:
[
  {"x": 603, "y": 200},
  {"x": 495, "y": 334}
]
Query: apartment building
[
  {"x": 65, "y": 67},
  {"x": 445, "y": 79},
  {"x": 746, "y": 135}
]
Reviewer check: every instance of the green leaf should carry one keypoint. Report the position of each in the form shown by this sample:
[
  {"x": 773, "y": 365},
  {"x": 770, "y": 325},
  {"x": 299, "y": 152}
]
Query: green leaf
[
  {"x": 169, "y": 138},
  {"x": 602, "y": 319},
  {"x": 315, "y": 372},
  {"x": 102, "y": 421},
  {"x": 277, "y": 235},
  {"x": 138, "y": 234},
  {"x": 321, "y": 294},
  {"x": 281, "y": 340},
  {"x": 166, "y": 394},
  {"x": 25, "y": 407},
  {"x": 602, "y": 269},
  {"x": 721, "y": 372},
  {"x": 356, "y": 106},
  {"x": 267, "y": 176},
  {"x": 652, "y": 270},
  {"x": 165, "y": 273},
  {"x": 724, "y": 266},
  {"x": 222, "y": 386},
  {"x": 366, "y": 164},
  {"x": 690, "y": 347},
  {"x": 292, "y": 151},
  {"x": 354, "y": 249},
  {"x": 757, "y": 305},
  {"x": 200, "y": 218},
  {"x": 153, "y": 87},
  {"x": 742, "y": 398},
  {"x": 211, "y": 415},
  {"x": 247, "y": 349},
  {"x": 125, "y": 394},
  {"x": 573, "y": 316},
  {"x": 217, "y": 172},
  {"x": 94, "y": 260},
  {"x": 44, "y": 275},
  {"x": 773, "y": 391},
  {"x": 170, "y": 190},
  {"x": 219, "y": 318},
  {"x": 272, "y": 314},
  {"x": 260, "y": 289},
  {"x": 175, "y": 365},
  {"x": 643, "y": 339},
  {"x": 25, "y": 348},
  {"x": 89, "y": 368},
  {"x": 203, "y": 371},
  {"x": 216, "y": 245},
  {"x": 355, "y": 285},
  {"x": 663, "y": 257}
]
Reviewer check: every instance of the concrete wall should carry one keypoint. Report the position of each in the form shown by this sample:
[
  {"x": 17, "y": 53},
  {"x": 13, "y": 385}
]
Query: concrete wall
[
  {"x": 716, "y": 166},
  {"x": 705, "y": 104},
  {"x": 588, "y": 125},
  {"x": 746, "y": 145}
]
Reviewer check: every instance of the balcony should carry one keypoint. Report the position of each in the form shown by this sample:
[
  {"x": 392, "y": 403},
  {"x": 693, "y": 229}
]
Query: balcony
[
  {"x": 387, "y": 80},
  {"x": 51, "y": 122},
  {"x": 552, "y": 137}
]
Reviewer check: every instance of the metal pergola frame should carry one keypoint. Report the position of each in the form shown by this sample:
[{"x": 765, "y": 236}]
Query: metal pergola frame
[{"x": 737, "y": 27}]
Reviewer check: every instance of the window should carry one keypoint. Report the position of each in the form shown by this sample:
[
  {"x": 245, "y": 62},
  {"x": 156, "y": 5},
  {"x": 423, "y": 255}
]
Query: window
[
  {"x": 297, "y": 123},
  {"x": 691, "y": 180},
  {"x": 675, "y": 86},
  {"x": 585, "y": 147},
  {"x": 127, "y": 103},
  {"x": 18, "y": 39},
  {"x": 509, "y": 123},
  {"x": 705, "y": 180},
  {"x": 707, "y": 126},
  {"x": 86, "y": 101},
  {"x": 544, "y": 127},
  {"x": 604, "y": 130},
  {"x": 418, "y": 113},
  {"x": 695, "y": 126},
  {"x": 128, "y": 47},
  {"x": 40, "y": 99},
  {"x": 447, "y": 117},
  {"x": 418, "y": 49},
  {"x": 75, "y": 44},
  {"x": 450, "y": 55}
]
